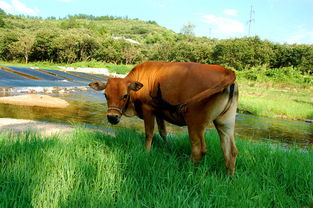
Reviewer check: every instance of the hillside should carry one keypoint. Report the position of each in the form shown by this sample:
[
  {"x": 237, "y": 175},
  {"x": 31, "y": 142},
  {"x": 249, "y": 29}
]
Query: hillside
[
  {"x": 86, "y": 37},
  {"x": 130, "y": 28}
]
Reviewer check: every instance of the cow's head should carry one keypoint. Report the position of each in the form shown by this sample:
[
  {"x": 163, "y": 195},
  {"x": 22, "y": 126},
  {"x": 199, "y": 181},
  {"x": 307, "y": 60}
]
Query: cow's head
[{"x": 117, "y": 93}]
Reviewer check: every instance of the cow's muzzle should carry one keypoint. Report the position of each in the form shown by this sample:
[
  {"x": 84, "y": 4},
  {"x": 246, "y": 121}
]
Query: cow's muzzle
[{"x": 113, "y": 119}]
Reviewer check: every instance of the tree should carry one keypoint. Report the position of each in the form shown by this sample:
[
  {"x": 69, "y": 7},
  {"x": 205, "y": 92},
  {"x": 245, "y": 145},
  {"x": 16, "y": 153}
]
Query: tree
[
  {"x": 2, "y": 14},
  {"x": 24, "y": 45},
  {"x": 45, "y": 47},
  {"x": 188, "y": 29},
  {"x": 130, "y": 53},
  {"x": 7, "y": 39}
]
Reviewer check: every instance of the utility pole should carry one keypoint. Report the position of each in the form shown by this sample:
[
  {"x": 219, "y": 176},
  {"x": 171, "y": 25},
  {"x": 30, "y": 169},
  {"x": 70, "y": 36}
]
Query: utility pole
[
  {"x": 251, "y": 19},
  {"x": 210, "y": 32}
]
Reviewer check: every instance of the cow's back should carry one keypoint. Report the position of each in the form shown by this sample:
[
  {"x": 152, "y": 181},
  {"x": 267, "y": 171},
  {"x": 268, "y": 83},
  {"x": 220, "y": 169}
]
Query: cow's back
[{"x": 180, "y": 81}]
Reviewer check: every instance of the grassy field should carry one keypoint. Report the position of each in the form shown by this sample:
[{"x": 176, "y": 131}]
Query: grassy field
[
  {"x": 89, "y": 169},
  {"x": 286, "y": 102}
]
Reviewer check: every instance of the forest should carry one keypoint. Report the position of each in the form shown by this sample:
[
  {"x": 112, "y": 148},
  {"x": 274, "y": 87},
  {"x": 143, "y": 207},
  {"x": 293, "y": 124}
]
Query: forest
[{"x": 88, "y": 38}]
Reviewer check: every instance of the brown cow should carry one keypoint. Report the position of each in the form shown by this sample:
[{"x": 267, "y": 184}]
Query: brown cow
[{"x": 189, "y": 94}]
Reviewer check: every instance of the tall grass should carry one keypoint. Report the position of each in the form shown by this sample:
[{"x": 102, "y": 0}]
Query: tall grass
[
  {"x": 88, "y": 169},
  {"x": 264, "y": 99},
  {"x": 119, "y": 68},
  {"x": 276, "y": 93}
]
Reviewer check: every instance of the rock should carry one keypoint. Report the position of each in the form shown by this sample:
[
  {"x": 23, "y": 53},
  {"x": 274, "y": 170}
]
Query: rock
[
  {"x": 47, "y": 91},
  {"x": 83, "y": 89}
]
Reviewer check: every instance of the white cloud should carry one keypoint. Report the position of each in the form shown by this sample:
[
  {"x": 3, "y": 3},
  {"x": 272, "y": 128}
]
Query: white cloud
[
  {"x": 17, "y": 7},
  {"x": 230, "y": 12},
  {"x": 301, "y": 37},
  {"x": 6, "y": 7},
  {"x": 66, "y": 1},
  {"x": 161, "y": 6},
  {"x": 223, "y": 26}
]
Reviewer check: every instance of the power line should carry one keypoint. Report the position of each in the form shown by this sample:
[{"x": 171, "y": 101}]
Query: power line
[{"x": 251, "y": 19}]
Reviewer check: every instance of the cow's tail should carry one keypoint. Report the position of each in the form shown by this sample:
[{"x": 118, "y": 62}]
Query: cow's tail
[
  {"x": 206, "y": 95},
  {"x": 228, "y": 78},
  {"x": 233, "y": 94}
]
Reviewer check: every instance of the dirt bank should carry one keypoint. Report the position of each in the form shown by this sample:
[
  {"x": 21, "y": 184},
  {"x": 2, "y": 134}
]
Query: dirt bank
[{"x": 35, "y": 100}]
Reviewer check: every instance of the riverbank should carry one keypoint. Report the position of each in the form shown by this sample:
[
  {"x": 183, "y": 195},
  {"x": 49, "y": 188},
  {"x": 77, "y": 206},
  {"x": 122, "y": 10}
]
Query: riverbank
[
  {"x": 285, "y": 95},
  {"x": 35, "y": 100},
  {"x": 281, "y": 101},
  {"x": 98, "y": 170}
]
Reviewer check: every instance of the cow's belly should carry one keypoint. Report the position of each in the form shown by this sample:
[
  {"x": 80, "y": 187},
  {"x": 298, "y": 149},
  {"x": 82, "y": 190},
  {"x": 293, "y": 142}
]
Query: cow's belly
[{"x": 175, "y": 118}]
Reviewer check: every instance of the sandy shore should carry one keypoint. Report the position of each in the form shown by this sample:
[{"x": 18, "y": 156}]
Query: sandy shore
[{"x": 35, "y": 100}]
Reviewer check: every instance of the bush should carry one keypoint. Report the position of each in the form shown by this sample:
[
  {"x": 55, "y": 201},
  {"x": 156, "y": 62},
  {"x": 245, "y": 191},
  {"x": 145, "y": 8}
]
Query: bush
[
  {"x": 242, "y": 53},
  {"x": 118, "y": 52},
  {"x": 283, "y": 75}
]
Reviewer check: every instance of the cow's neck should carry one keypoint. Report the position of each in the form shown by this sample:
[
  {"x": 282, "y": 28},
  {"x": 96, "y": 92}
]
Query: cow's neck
[{"x": 130, "y": 110}]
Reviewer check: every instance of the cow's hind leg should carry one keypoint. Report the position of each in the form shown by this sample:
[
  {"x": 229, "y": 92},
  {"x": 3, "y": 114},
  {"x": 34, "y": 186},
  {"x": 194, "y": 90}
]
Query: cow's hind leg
[
  {"x": 197, "y": 140},
  {"x": 225, "y": 126},
  {"x": 161, "y": 127}
]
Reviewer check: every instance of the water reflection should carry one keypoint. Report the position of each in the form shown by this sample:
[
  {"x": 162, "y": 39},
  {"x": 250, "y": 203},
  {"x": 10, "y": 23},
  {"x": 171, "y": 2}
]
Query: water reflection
[
  {"x": 274, "y": 130},
  {"x": 21, "y": 76},
  {"x": 89, "y": 107}
]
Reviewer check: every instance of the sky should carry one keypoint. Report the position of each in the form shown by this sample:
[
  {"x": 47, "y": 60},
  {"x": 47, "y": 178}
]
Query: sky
[{"x": 281, "y": 21}]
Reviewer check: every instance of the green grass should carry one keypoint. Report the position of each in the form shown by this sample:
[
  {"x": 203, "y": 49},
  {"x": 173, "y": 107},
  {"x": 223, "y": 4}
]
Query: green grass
[
  {"x": 43, "y": 65},
  {"x": 88, "y": 169},
  {"x": 276, "y": 101},
  {"x": 117, "y": 68}
]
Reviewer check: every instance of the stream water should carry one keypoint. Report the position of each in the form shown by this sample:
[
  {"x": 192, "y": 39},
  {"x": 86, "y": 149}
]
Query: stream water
[{"x": 88, "y": 107}]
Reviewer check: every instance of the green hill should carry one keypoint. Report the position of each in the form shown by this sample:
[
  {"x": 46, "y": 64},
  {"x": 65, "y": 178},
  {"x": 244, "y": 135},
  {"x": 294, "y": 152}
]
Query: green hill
[
  {"x": 101, "y": 26},
  {"x": 106, "y": 39}
]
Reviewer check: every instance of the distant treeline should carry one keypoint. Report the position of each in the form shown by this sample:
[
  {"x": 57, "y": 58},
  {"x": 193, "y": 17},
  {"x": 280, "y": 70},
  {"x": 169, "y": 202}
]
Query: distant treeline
[{"x": 86, "y": 37}]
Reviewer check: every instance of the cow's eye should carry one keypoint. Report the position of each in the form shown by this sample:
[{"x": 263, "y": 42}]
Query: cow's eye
[{"x": 124, "y": 97}]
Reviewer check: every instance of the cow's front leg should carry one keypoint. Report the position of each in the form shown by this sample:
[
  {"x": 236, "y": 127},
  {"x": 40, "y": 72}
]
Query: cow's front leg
[{"x": 148, "y": 118}]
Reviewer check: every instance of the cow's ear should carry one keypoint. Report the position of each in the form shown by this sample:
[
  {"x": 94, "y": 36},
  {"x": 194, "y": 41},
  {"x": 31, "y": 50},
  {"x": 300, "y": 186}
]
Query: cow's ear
[
  {"x": 135, "y": 86},
  {"x": 98, "y": 85}
]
